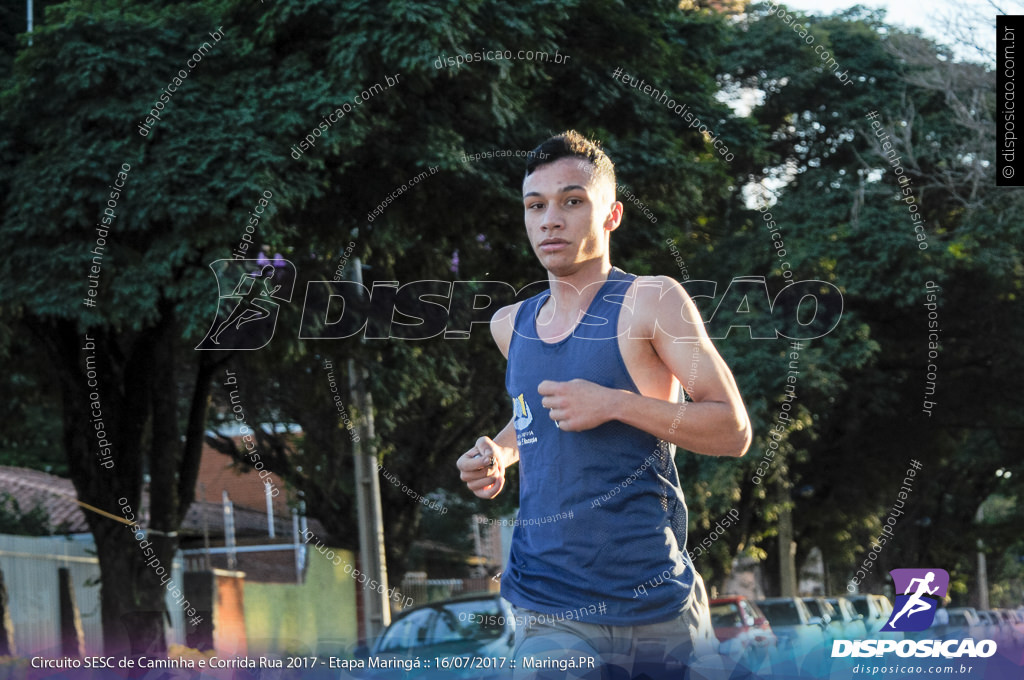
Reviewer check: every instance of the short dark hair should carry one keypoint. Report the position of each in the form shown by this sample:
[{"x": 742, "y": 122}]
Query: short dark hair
[{"x": 571, "y": 144}]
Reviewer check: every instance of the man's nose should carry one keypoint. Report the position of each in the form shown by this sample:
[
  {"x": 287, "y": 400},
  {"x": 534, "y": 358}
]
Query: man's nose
[{"x": 552, "y": 220}]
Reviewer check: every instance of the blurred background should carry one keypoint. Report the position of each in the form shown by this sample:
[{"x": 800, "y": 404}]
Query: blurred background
[{"x": 75, "y": 93}]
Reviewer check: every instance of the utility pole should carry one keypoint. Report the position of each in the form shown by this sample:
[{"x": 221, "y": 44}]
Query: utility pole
[
  {"x": 982, "y": 567},
  {"x": 787, "y": 546},
  {"x": 376, "y": 609}
]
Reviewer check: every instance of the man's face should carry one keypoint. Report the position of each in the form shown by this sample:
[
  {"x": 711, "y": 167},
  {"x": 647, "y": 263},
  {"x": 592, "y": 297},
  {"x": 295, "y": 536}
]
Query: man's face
[{"x": 569, "y": 214}]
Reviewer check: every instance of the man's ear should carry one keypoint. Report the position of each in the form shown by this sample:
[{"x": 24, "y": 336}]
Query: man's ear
[{"x": 614, "y": 218}]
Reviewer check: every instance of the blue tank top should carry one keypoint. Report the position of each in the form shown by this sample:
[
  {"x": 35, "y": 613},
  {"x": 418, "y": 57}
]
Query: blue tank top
[{"x": 627, "y": 523}]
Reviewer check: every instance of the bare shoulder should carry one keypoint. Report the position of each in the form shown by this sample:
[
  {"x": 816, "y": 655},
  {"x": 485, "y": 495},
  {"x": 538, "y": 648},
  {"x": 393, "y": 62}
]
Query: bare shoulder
[
  {"x": 662, "y": 304},
  {"x": 663, "y": 299},
  {"x": 503, "y": 325}
]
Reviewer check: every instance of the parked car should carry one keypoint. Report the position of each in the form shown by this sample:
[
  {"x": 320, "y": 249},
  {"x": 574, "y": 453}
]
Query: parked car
[
  {"x": 989, "y": 622},
  {"x": 1008, "y": 631},
  {"x": 849, "y": 621},
  {"x": 823, "y": 614},
  {"x": 801, "y": 639},
  {"x": 963, "y": 623},
  {"x": 1017, "y": 621},
  {"x": 743, "y": 631},
  {"x": 471, "y": 627},
  {"x": 876, "y": 610}
]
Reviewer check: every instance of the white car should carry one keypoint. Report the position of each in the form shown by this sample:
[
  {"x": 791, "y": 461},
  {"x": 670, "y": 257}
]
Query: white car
[{"x": 800, "y": 634}]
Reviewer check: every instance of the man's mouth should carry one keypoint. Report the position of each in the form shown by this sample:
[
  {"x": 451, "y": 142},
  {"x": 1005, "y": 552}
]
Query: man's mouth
[{"x": 552, "y": 245}]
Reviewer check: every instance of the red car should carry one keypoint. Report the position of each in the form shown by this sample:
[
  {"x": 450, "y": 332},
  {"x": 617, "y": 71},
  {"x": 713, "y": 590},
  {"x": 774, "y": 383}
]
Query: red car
[{"x": 743, "y": 631}]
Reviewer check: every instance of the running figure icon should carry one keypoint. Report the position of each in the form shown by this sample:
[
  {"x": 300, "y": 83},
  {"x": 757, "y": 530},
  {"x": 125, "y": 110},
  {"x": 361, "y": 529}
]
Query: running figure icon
[
  {"x": 915, "y": 604},
  {"x": 249, "y": 308}
]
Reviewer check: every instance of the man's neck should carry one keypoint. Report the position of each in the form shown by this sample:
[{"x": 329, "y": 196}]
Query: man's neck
[{"x": 577, "y": 290}]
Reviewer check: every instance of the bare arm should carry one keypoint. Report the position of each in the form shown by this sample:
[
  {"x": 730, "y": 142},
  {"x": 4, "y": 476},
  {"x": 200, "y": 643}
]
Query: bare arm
[
  {"x": 715, "y": 423},
  {"x": 483, "y": 466}
]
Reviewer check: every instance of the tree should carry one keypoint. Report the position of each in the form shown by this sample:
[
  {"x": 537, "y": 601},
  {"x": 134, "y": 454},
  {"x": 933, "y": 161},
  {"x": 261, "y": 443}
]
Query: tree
[
  {"x": 866, "y": 405},
  {"x": 148, "y": 259},
  {"x": 191, "y": 180}
]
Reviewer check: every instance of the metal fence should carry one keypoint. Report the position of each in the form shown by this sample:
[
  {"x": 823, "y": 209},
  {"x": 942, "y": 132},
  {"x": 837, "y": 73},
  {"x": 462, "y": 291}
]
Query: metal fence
[{"x": 423, "y": 590}]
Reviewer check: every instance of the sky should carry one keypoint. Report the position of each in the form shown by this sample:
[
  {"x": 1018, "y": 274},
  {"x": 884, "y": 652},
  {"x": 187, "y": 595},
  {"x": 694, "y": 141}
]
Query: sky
[{"x": 927, "y": 15}]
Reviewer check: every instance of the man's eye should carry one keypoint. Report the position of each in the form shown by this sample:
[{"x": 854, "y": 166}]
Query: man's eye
[{"x": 574, "y": 201}]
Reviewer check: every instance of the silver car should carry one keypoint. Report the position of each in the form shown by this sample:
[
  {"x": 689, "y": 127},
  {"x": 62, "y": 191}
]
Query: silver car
[
  {"x": 849, "y": 621},
  {"x": 448, "y": 635},
  {"x": 801, "y": 637},
  {"x": 876, "y": 610}
]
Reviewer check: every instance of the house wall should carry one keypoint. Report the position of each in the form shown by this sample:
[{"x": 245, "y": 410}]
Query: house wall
[
  {"x": 30, "y": 567},
  {"x": 316, "y": 617},
  {"x": 218, "y": 472}
]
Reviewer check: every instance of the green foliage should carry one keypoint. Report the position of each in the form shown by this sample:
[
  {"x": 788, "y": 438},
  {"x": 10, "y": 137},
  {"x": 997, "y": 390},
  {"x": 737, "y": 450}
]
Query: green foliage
[
  {"x": 32, "y": 522},
  {"x": 71, "y": 105}
]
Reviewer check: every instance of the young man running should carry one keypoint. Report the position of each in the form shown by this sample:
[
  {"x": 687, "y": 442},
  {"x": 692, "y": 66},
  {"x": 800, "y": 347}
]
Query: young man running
[{"x": 595, "y": 366}]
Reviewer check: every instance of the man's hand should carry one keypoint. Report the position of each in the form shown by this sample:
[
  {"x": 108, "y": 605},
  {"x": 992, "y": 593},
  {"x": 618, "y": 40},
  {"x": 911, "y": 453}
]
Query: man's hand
[
  {"x": 578, "y": 404},
  {"x": 483, "y": 467}
]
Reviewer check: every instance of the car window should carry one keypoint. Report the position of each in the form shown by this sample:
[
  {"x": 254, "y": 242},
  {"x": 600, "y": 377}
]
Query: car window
[
  {"x": 725, "y": 615},
  {"x": 410, "y": 631},
  {"x": 747, "y": 613},
  {"x": 867, "y": 608},
  {"x": 815, "y": 608},
  {"x": 470, "y": 620},
  {"x": 448, "y": 628},
  {"x": 781, "y": 613},
  {"x": 758, "y": 614}
]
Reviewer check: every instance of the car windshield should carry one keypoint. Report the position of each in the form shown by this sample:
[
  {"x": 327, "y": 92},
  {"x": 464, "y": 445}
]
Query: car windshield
[
  {"x": 726, "y": 615},
  {"x": 781, "y": 613},
  {"x": 412, "y": 630},
  {"x": 473, "y": 619},
  {"x": 958, "y": 619},
  {"x": 840, "y": 611},
  {"x": 861, "y": 605},
  {"x": 450, "y": 622}
]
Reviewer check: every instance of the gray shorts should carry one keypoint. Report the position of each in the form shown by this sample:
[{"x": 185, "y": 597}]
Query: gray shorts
[{"x": 548, "y": 649}]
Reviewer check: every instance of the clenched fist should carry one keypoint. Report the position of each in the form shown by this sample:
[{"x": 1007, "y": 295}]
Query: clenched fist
[{"x": 483, "y": 467}]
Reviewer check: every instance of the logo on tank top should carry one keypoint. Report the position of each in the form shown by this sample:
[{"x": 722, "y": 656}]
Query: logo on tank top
[{"x": 521, "y": 419}]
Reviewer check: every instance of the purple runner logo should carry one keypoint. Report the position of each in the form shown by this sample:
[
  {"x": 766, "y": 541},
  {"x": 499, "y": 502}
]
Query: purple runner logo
[
  {"x": 257, "y": 289},
  {"x": 922, "y": 589}
]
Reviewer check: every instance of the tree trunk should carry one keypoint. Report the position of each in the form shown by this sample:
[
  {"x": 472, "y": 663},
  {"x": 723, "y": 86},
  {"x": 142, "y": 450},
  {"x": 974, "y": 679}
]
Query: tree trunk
[{"x": 134, "y": 402}]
